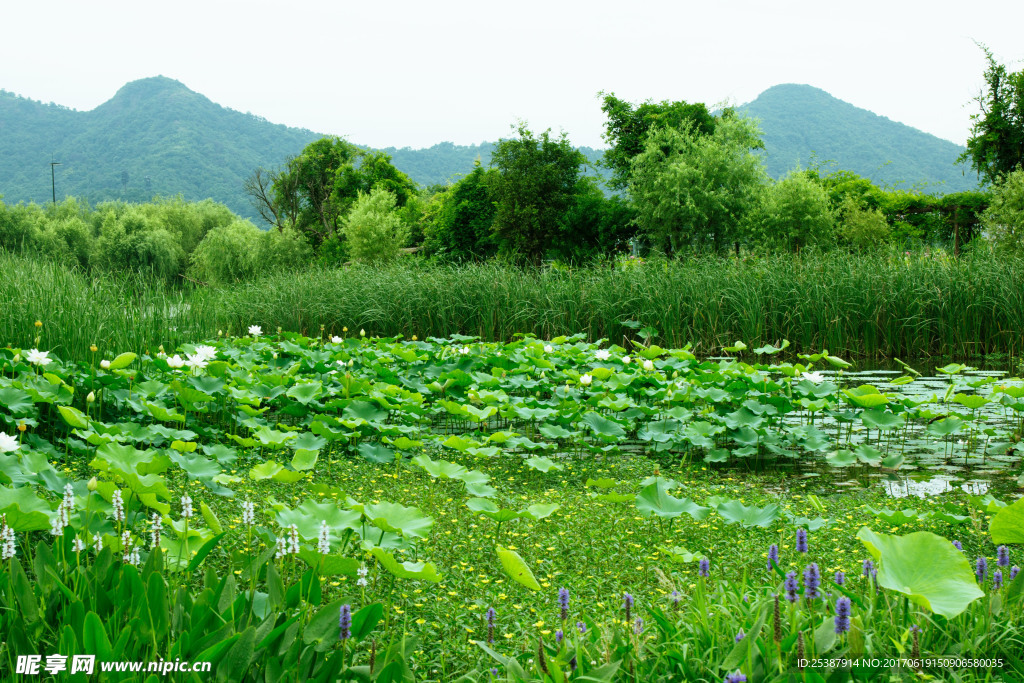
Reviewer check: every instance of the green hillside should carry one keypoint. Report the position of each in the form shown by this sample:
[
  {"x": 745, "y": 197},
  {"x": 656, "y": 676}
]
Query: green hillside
[
  {"x": 155, "y": 133},
  {"x": 155, "y": 136},
  {"x": 801, "y": 122}
]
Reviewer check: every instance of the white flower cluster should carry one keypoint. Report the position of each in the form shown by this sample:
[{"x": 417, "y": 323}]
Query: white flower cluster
[
  {"x": 362, "y": 571},
  {"x": 131, "y": 551},
  {"x": 288, "y": 542},
  {"x": 186, "y": 507},
  {"x": 118, "y": 504},
  {"x": 64, "y": 510},
  {"x": 324, "y": 544},
  {"x": 155, "y": 528},
  {"x": 602, "y": 354},
  {"x": 248, "y": 513},
  {"x": 8, "y": 544},
  {"x": 78, "y": 545}
]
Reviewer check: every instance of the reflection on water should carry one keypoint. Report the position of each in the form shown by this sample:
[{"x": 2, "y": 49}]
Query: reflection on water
[
  {"x": 904, "y": 487},
  {"x": 978, "y": 460}
]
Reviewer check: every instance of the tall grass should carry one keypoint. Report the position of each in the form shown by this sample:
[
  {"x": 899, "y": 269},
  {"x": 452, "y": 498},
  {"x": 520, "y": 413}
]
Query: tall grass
[
  {"x": 863, "y": 306},
  {"x": 115, "y": 312}
]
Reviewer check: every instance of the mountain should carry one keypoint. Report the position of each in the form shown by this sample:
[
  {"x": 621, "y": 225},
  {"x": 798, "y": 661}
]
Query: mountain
[
  {"x": 445, "y": 161},
  {"x": 804, "y": 125},
  {"x": 155, "y": 136}
]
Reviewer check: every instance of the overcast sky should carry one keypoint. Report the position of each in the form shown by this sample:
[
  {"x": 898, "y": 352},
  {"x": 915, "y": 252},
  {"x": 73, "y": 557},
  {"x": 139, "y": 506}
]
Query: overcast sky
[{"x": 413, "y": 74}]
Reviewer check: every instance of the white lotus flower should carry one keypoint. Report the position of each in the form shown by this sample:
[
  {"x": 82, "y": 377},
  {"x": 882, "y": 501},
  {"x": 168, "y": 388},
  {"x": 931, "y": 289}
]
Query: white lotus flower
[
  {"x": 206, "y": 352},
  {"x": 464, "y": 350},
  {"x": 37, "y": 357},
  {"x": 585, "y": 380},
  {"x": 548, "y": 348},
  {"x": 336, "y": 339},
  {"x": 815, "y": 377},
  {"x": 255, "y": 330},
  {"x": 105, "y": 364},
  {"x": 648, "y": 365},
  {"x": 602, "y": 354},
  {"x": 175, "y": 362},
  {"x": 8, "y": 444},
  {"x": 196, "y": 362},
  {"x": 626, "y": 360}
]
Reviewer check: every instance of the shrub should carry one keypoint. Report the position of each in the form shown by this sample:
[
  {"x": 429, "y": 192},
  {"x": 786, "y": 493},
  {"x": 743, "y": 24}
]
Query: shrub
[
  {"x": 228, "y": 253},
  {"x": 284, "y": 249},
  {"x": 795, "y": 213},
  {"x": 1003, "y": 220},
  {"x": 862, "y": 228},
  {"x": 374, "y": 231}
]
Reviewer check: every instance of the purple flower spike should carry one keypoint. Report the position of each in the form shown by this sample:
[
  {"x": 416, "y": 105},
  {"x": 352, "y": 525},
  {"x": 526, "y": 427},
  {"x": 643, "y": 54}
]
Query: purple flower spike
[
  {"x": 627, "y": 604},
  {"x": 740, "y": 636},
  {"x": 812, "y": 579},
  {"x": 705, "y": 567},
  {"x": 736, "y": 678},
  {"x": 801, "y": 540},
  {"x": 842, "y": 615},
  {"x": 1013, "y": 572},
  {"x": 840, "y": 579},
  {"x": 345, "y": 622},
  {"x": 773, "y": 555},
  {"x": 638, "y": 626},
  {"x": 582, "y": 627},
  {"x": 492, "y": 618},
  {"x": 563, "y": 602},
  {"x": 1003, "y": 556},
  {"x": 791, "y": 586},
  {"x": 869, "y": 569},
  {"x": 981, "y": 569},
  {"x": 997, "y": 579},
  {"x": 958, "y": 546},
  {"x": 559, "y": 636}
]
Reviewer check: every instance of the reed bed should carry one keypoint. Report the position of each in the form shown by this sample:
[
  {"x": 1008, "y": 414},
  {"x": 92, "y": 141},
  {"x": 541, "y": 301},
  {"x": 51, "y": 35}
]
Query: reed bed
[{"x": 864, "y": 306}]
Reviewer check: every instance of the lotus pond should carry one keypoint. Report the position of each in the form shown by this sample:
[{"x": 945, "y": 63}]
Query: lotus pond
[{"x": 353, "y": 508}]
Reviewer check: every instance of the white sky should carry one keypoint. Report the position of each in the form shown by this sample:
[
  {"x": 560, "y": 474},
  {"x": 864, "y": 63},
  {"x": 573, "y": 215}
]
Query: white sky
[{"x": 403, "y": 73}]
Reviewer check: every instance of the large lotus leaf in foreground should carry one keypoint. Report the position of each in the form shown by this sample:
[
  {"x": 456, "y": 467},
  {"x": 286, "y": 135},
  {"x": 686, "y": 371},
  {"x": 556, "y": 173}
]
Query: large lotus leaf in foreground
[
  {"x": 926, "y": 568},
  {"x": 1008, "y": 524}
]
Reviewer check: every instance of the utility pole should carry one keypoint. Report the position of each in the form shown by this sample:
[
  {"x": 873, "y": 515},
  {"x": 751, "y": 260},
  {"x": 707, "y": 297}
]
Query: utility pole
[{"x": 53, "y": 179}]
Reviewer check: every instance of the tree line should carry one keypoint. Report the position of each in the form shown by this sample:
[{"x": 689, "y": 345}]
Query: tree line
[{"x": 683, "y": 180}]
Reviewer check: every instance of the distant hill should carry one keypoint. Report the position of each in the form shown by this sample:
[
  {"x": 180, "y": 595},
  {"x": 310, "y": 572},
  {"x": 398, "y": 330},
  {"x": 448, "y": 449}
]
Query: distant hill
[
  {"x": 155, "y": 136},
  {"x": 800, "y": 120},
  {"x": 445, "y": 161}
]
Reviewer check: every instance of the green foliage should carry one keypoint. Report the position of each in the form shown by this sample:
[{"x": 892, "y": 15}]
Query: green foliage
[
  {"x": 862, "y": 228},
  {"x": 317, "y": 189},
  {"x": 594, "y": 225},
  {"x": 374, "y": 231},
  {"x": 996, "y": 145},
  {"x": 628, "y": 127},
  {"x": 460, "y": 224},
  {"x": 1004, "y": 218},
  {"x": 129, "y": 239},
  {"x": 696, "y": 191},
  {"x": 284, "y": 250},
  {"x": 536, "y": 183},
  {"x": 228, "y": 253},
  {"x": 795, "y": 213}
]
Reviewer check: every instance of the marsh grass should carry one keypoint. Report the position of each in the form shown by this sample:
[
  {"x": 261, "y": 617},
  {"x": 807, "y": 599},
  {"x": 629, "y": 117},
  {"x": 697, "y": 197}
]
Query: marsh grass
[{"x": 863, "y": 306}]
